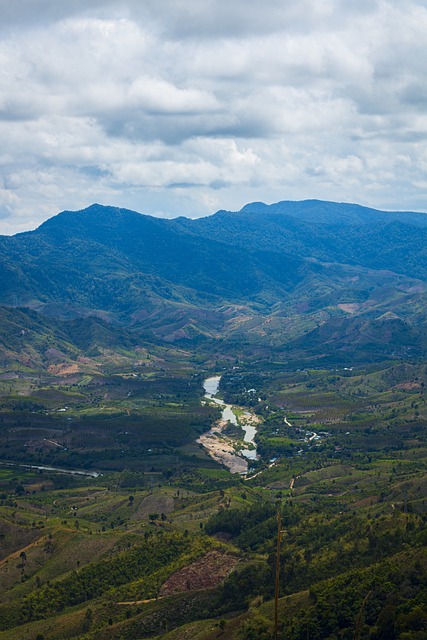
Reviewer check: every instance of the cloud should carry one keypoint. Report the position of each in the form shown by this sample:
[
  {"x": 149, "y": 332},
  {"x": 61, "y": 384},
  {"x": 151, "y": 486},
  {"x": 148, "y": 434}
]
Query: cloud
[
  {"x": 185, "y": 106},
  {"x": 191, "y": 18}
]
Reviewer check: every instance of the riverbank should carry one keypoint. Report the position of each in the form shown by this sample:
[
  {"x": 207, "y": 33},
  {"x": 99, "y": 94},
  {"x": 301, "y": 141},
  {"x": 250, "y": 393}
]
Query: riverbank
[{"x": 222, "y": 448}]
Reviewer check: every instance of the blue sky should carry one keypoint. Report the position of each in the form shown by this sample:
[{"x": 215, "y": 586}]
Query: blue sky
[{"x": 183, "y": 108}]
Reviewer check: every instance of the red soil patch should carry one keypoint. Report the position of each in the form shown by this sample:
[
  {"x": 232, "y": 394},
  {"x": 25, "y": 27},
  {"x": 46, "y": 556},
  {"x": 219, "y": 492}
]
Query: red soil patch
[
  {"x": 63, "y": 369},
  {"x": 206, "y": 573},
  {"x": 408, "y": 386}
]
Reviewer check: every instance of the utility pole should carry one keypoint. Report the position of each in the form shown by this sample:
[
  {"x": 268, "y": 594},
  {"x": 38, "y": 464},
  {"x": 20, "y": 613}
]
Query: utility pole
[
  {"x": 276, "y": 602},
  {"x": 359, "y": 620}
]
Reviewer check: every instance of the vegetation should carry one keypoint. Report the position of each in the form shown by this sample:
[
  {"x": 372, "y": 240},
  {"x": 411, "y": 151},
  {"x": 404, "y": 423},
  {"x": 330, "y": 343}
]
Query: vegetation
[
  {"x": 352, "y": 503},
  {"x": 114, "y": 520}
]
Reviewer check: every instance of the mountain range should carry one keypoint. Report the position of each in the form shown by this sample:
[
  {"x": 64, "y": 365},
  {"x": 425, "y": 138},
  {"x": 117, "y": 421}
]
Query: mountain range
[{"x": 322, "y": 277}]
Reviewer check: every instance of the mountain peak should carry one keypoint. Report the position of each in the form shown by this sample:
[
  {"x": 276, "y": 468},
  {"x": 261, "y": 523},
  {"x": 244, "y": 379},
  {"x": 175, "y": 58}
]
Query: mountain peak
[
  {"x": 255, "y": 206},
  {"x": 334, "y": 213},
  {"x": 95, "y": 220},
  {"x": 92, "y": 210}
]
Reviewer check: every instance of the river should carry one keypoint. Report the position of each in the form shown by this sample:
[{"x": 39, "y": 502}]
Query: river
[
  {"x": 72, "y": 472},
  {"x": 220, "y": 447}
]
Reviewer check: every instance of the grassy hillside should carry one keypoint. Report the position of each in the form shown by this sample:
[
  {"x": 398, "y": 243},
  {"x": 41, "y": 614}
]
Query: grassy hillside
[{"x": 188, "y": 550}]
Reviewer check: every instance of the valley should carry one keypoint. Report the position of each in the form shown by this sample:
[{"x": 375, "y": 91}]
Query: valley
[
  {"x": 342, "y": 452},
  {"x": 228, "y": 451},
  {"x": 157, "y": 412}
]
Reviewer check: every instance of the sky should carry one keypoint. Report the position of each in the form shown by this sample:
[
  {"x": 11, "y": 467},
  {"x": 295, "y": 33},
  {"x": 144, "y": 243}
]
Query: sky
[{"x": 173, "y": 107}]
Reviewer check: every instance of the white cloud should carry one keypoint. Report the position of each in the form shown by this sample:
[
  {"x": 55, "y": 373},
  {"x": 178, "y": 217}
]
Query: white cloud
[{"x": 183, "y": 106}]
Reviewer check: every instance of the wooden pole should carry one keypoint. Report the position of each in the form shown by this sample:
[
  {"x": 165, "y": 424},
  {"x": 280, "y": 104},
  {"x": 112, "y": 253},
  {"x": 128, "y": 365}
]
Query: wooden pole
[
  {"x": 360, "y": 616},
  {"x": 276, "y": 603}
]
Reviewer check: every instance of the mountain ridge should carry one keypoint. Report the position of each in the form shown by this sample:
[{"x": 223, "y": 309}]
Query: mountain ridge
[
  {"x": 267, "y": 274},
  {"x": 319, "y": 211}
]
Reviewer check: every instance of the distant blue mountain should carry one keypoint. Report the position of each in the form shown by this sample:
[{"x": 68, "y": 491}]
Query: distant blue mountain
[
  {"x": 267, "y": 272},
  {"x": 327, "y": 231}
]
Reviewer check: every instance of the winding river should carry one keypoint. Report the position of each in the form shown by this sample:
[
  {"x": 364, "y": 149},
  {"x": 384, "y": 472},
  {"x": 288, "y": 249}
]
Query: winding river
[{"x": 222, "y": 448}]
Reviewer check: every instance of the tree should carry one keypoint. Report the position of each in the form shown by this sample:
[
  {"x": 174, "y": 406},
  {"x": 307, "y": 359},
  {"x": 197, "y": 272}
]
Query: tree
[{"x": 88, "y": 619}]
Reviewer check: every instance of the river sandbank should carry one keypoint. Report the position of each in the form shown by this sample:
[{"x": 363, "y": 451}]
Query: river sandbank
[{"x": 220, "y": 447}]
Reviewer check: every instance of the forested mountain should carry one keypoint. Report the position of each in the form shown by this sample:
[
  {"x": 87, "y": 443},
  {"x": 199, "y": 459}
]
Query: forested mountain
[
  {"x": 114, "y": 259},
  {"x": 326, "y": 231},
  {"x": 265, "y": 274},
  {"x": 353, "y": 257}
]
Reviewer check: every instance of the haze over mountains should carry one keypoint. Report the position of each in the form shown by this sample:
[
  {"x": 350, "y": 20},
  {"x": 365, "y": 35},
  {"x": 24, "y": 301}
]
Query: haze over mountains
[{"x": 324, "y": 275}]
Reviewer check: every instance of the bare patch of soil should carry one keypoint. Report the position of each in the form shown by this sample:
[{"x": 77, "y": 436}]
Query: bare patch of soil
[
  {"x": 63, "y": 369},
  {"x": 408, "y": 386},
  {"x": 154, "y": 503},
  {"x": 206, "y": 573},
  {"x": 349, "y": 308}
]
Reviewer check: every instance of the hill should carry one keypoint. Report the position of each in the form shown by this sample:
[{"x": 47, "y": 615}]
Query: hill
[
  {"x": 265, "y": 275},
  {"x": 326, "y": 231},
  {"x": 32, "y": 341}
]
